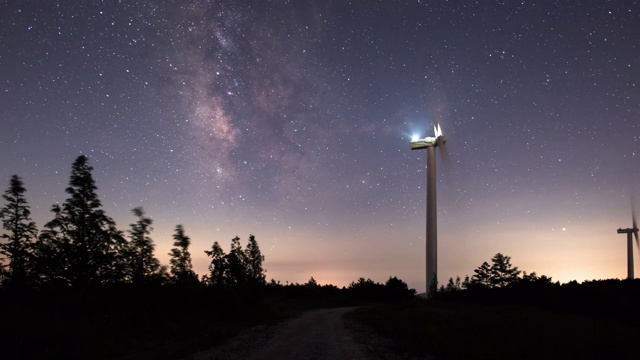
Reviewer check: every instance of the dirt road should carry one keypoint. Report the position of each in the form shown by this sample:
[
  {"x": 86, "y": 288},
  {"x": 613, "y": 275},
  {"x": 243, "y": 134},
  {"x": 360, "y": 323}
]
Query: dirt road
[{"x": 318, "y": 334}]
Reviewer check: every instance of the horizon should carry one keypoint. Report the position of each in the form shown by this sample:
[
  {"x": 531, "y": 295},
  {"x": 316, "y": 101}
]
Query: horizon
[{"x": 324, "y": 277}]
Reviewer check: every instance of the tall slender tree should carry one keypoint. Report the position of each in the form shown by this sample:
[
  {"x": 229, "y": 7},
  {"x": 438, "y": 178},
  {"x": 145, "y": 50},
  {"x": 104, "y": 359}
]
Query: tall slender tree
[
  {"x": 181, "y": 268},
  {"x": 81, "y": 246},
  {"x": 253, "y": 262},
  {"x": 236, "y": 264},
  {"x": 237, "y": 268},
  {"x": 20, "y": 236},
  {"x": 143, "y": 265},
  {"x": 218, "y": 265}
]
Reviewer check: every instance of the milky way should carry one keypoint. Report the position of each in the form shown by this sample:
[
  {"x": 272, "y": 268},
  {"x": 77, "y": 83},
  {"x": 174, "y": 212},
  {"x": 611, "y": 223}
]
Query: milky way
[{"x": 290, "y": 120}]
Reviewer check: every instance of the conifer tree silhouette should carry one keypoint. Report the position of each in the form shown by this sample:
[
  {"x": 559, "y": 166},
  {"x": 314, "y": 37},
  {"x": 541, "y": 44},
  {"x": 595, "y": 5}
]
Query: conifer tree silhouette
[
  {"x": 181, "y": 267},
  {"x": 253, "y": 259},
  {"x": 218, "y": 265},
  {"x": 81, "y": 246},
  {"x": 20, "y": 236},
  {"x": 143, "y": 265},
  {"x": 237, "y": 268}
]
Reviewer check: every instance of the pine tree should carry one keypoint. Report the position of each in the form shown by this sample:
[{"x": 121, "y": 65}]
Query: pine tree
[
  {"x": 81, "y": 246},
  {"x": 502, "y": 273},
  {"x": 218, "y": 266},
  {"x": 181, "y": 268},
  {"x": 142, "y": 263},
  {"x": 454, "y": 285},
  {"x": 466, "y": 283},
  {"x": 482, "y": 276},
  {"x": 236, "y": 264},
  {"x": 253, "y": 262},
  {"x": 22, "y": 232},
  {"x": 237, "y": 268}
]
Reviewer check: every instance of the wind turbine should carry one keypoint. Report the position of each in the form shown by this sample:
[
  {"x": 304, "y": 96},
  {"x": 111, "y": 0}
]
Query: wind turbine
[
  {"x": 629, "y": 231},
  {"x": 430, "y": 143}
]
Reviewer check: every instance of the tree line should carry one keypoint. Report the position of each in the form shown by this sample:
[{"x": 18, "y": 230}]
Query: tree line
[
  {"x": 498, "y": 282},
  {"x": 81, "y": 246},
  {"x": 500, "y": 274}
]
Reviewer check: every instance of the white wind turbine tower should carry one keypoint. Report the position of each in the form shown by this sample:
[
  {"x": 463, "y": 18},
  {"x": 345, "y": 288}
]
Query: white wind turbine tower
[
  {"x": 430, "y": 143},
  {"x": 629, "y": 231}
]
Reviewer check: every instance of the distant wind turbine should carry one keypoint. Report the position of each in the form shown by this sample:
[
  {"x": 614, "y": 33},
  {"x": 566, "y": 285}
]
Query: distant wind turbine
[
  {"x": 629, "y": 231},
  {"x": 430, "y": 143}
]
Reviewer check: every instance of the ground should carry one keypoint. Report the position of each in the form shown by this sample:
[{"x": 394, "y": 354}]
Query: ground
[{"x": 318, "y": 334}]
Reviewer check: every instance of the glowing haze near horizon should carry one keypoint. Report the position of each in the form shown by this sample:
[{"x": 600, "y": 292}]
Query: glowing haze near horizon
[{"x": 290, "y": 120}]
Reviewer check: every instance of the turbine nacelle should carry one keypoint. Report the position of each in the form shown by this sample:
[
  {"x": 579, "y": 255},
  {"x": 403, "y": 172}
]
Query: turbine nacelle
[{"x": 416, "y": 143}]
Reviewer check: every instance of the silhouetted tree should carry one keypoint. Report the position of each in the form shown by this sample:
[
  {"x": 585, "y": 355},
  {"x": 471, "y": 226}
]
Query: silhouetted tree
[
  {"x": 482, "y": 276},
  {"x": 218, "y": 265},
  {"x": 237, "y": 268},
  {"x": 433, "y": 286},
  {"x": 502, "y": 273},
  {"x": 534, "y": 279},
  {"x": 21, "y": 233},
  {"x": 466, "y": 283},
  {"x": 143, "y": 265},
  {"x": 366, "y": 289},
  {"x": 396, "y": 284},
  {"x": 499, "y": 274},
  {"x": 312, "y": 283},
  {"x": 253, "y": 263},
  {"x": 397, "y": 289},
  {"x": 454, "y": 285},
  {"x": 81, "y": 245},
  {"x": 236, "y": 264},
  {"x": 181, "y": 268}
]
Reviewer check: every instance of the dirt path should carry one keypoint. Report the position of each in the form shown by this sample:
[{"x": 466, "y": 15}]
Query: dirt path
[{"x": 318, "y": 334}]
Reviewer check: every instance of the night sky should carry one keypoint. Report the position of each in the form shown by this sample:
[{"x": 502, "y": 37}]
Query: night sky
[{"x": 291, "y": 120}]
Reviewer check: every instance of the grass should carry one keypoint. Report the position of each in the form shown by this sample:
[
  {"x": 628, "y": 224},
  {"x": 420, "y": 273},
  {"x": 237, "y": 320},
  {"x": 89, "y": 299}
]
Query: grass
[{"x": 465, "y": 330}]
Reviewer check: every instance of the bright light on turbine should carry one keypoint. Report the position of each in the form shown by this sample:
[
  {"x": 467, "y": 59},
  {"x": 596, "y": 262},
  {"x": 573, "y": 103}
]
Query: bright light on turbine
[{"x": 415, "y": 137}]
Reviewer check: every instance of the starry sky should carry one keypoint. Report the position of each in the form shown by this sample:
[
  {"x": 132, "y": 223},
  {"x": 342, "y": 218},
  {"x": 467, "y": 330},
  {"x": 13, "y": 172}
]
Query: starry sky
[{"x": 290, "y": 120}]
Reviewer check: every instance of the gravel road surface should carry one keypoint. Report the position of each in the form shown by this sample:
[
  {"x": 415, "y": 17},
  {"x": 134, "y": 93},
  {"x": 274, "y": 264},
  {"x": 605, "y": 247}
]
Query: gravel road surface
[{"x": 317, "y": 334}]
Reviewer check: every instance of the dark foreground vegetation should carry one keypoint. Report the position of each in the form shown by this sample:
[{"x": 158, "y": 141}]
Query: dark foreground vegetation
[
  {"x": 80, "y": 288},
  {"x": 160, "y": 322},
  {"x": 523, "y": 320}
]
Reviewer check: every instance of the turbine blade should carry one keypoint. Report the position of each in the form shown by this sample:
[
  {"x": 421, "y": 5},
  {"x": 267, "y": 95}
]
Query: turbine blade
[
  {"x": 446, "y": 164},
  {"x": 633, "y": 211},
  {"x": 635, "y": 234},
  {"x": 444, "y": 153},
  {"x": 635, "y": 224},
  {"x": 435, "y": 131},
  {"x": 451, "y": 188},
  {"x": 439, "y": 130}
]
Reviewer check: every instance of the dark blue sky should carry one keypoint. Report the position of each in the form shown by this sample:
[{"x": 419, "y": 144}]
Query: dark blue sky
[{"x": 290, "y": 120}]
